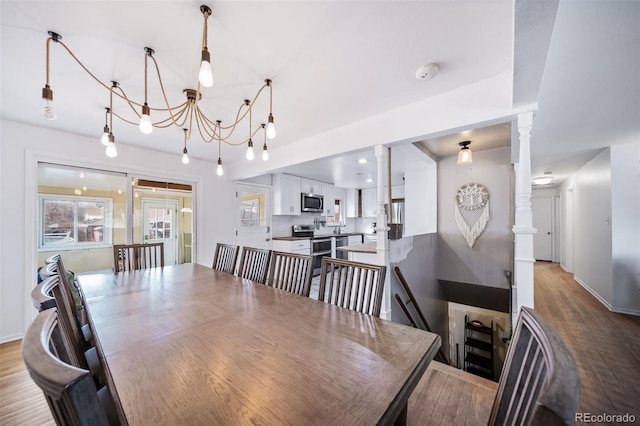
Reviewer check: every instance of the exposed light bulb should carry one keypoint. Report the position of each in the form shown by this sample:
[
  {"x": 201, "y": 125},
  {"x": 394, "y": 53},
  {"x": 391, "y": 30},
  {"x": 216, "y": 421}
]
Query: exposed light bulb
[
  {"x": 145, "y": 120},
  {"x": 271, "y": 128},
  {"x": 250, "y": 154},
  {"x": 111, "y": 150},
  {"x": 465, "y": 156},
  {"x": 185, "y": 157},
  {"x": 265, "y": 153},
  {"x": 105, "y": 136},
  {"x": 47, "y": 103},
  {"x": 219, "y": 169},
  {"x": 206, "y": 75}
]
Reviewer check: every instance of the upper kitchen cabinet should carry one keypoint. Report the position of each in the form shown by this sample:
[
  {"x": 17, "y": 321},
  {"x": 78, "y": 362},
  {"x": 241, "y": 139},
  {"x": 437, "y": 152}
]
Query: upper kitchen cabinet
[
  {"x": 309, "y": 186},
  {"x": 369, "y": 202},
  {"x": 286, "y": 194},
  {"x": 352, "y": 202}
]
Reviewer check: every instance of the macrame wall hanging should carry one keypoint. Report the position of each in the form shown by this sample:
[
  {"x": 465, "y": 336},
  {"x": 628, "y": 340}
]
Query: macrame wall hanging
[{"x": 472, "y": 211}]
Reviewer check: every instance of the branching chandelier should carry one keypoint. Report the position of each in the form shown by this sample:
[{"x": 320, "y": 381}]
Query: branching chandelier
[{"x": 187, "y": 115}]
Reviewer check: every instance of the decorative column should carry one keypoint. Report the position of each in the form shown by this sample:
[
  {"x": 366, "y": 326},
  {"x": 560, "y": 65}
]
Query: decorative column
[
  {"x": 382, "y": 242},
  {"x": 522, "y": 294}
]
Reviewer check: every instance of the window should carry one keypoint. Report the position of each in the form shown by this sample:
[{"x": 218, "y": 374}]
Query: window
[{"x": 73, "y": 222}]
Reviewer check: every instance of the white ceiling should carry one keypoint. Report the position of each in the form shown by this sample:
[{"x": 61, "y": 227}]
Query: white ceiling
[{"x": 332, "y": 63}]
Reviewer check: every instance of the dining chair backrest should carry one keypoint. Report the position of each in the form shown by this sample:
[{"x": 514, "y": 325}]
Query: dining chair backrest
[
  {"x": 225, "y": 258},
  {"x": 70, "y": 391},
  {"x": 540, "y": 382},
  {"x": 42, "y": 294},
  {"x": 129, "y": 257},
  {"x": 353, "y": 285},
  {"x": 290, "y": 272},
  {"x": 71, "y": 329},
  {"x": 254, "y": 264}
]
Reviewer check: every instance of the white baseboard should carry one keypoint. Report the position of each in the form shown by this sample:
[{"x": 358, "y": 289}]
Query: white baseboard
[
  {"x": 11, "y": 338},
  {"x": 564, "y": 268},
  {"x": 604, "y": 302},
  {"x": 626, "y": 311},
  {"x": 593, "y": 292}
]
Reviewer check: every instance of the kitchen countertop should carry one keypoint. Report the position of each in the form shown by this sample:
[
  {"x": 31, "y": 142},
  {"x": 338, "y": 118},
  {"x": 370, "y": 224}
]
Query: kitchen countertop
[
  {"x": 344, "y": 234},
  {"x": 359, "y": 248}
]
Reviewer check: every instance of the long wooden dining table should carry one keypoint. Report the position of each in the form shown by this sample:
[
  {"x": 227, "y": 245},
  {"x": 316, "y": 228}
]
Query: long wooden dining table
[{"x": 190, "y": 345}]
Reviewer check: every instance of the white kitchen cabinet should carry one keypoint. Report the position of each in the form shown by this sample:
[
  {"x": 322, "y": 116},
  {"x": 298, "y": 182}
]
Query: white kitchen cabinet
[
  {"x": 355, "y": 239},
  {"x": 397, "y": 191},
  {"x": 369, "y": 202},
  {"x": 286, "y": 194},
  {"x": 292, "y": 246},
  {"x": 340, "y": 194},
  {"x": 309, "y": 186},
  {"x": 352, "y": 202},
  {"x": 329, "y": 200}
]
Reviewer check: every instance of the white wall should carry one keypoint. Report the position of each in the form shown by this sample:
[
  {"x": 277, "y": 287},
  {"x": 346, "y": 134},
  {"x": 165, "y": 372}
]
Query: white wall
[
  {"x": 625, "y": 227},
  {"x": 22, "y": 146},
  {"x": 592, "y": 227},
  {"x": 493, "y": 251}
]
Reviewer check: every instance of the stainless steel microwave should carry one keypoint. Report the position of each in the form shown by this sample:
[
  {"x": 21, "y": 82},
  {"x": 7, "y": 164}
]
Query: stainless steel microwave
[{"x": 312, "y": 203}]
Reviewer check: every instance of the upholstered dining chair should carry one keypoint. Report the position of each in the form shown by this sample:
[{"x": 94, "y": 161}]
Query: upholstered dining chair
[
  {"x": 290, "y": 272},
  {"x": 70, "y": 391},
  {"x": 353, "y": 285},
  {"x": 225, "y": 258},
  {"x": 254, "y": 264},
  {"x": 129, "y": 257}
]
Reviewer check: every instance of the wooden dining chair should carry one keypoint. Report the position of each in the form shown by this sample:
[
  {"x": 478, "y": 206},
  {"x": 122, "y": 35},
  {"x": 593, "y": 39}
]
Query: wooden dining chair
[
  {"x": 290, "y": 272},
  {"x": 42, "y": 294},
  {"x": 539, "y": 384},
  {"x": 225, "y": 258},
  {"x": 254, "y": 264},
  {"x": 76, "y": 333},
  {"x": 353, "y": 285},
  {"x": 70, "y": 391},
  {"x": 129, "y": 257}
]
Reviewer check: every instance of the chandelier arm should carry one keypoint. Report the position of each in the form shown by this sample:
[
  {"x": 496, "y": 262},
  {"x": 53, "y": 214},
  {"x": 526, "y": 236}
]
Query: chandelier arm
[
  {"x": 167, "y": 122},
  {"x": 206, "y": 124},
  {"x": 240, "y": 118},
  {"x": 124, "y": 119},
  {"x": 48, "y": 43},
  {"x": 164, "y": 94},
  {"x": 93, "y": 75},
  {"x": 202, "y": 125},
  {"x": 237, "y": 121},
  {"x": 128, "y": 101}
]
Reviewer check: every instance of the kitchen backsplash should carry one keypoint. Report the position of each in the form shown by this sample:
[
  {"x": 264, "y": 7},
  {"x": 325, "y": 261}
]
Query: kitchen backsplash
[{"x": 281, "y": 225}]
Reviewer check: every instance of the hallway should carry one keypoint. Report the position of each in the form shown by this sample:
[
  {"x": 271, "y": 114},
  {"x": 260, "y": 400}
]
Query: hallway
[{"x": 606, "y": 345}]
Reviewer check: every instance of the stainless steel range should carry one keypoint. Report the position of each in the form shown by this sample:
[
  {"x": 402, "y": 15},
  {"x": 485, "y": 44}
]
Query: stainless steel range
[{"x": 320, "y": 246}]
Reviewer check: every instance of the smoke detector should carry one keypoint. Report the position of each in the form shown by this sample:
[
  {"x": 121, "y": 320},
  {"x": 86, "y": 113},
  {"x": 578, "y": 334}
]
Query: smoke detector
[{"x": 427, "y": 72}]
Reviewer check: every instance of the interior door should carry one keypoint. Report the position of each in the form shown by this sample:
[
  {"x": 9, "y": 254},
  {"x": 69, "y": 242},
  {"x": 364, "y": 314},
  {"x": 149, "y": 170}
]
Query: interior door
[
  {"x": 159, "y": 225},
  {"x": 542, "y": 209},
  {"x": 253, "y": 216}
]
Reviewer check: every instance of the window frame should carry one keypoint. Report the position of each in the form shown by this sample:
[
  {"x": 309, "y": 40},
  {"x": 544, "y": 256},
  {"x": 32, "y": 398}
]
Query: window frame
[{"x": 76, "y": 245}]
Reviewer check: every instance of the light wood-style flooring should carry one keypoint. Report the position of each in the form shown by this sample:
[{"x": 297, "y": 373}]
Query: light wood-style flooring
[{"x": 606, "y": 347}]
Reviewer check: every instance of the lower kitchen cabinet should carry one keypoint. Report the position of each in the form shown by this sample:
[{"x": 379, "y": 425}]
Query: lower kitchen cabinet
[{"x": 292, "y": 246}]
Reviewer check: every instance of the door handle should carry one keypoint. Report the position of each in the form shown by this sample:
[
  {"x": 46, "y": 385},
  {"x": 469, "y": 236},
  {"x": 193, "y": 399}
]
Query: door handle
[
  {"x": 267, "y": 239},
  {"x": 548, "y": 233}
]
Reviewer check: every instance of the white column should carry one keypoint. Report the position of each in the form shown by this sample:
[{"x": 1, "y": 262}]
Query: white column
[
  {"x": 523, "y": 228},
  {"x": 382, "y": 242}
]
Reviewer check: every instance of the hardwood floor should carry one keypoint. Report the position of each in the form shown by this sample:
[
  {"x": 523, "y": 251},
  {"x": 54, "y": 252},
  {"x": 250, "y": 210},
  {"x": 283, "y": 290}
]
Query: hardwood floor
[
  {"x": 606, "y": 347},
  {"x": 21, "y": 401}
]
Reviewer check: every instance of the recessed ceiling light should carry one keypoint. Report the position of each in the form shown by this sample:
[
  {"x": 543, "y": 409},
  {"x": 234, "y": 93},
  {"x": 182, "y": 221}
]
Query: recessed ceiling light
[
  {"x": 543, "y": 180},
  {"x": 362, "y": 160},
  {"x": 369, "y": 180}
]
